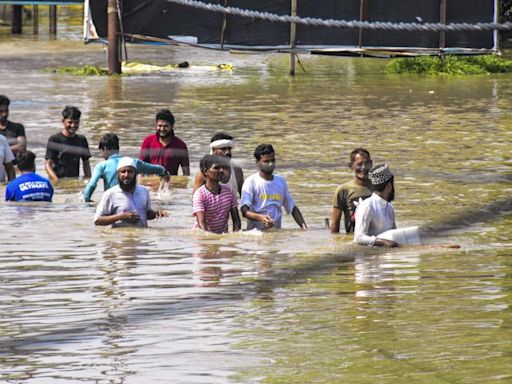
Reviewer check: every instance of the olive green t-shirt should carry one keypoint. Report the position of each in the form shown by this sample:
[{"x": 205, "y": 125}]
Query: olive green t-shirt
[{"x": 344, "y": 198}]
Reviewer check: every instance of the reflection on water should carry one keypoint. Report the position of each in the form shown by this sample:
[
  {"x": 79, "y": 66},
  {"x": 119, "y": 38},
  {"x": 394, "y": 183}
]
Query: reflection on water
[{"x": 80, "y": 303}]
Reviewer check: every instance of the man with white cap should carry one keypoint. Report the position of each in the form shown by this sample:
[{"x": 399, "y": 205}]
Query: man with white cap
[
  {"x": 221, "y": 145},
  {"x": 126, "y": 204},
  {"x": 376, "y": 214}
]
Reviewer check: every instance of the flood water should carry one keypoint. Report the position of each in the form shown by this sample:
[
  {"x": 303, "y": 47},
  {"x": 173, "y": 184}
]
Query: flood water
[{"x": 166, "y": 304}]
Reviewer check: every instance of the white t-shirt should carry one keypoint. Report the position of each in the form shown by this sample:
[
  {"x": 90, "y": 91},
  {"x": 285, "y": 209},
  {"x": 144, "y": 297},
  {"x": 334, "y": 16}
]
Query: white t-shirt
[
  {"x": 266, "y": 197},
  {"x": 373, "y": 217},
  {"x": 6, "y": 156},
  {"x": 115, "y": 200}
]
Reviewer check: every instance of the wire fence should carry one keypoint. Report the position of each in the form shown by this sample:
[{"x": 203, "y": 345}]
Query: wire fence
[{"x": 352, "y": 24}]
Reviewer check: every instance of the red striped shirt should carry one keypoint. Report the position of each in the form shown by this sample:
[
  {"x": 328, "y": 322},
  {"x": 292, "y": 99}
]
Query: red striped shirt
[{"x": 216, "y": 207}]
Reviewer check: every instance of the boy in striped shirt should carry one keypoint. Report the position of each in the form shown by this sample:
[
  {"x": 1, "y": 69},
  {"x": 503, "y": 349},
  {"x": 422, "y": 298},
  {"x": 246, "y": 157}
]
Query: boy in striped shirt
[{"x": 213, "y": 203}]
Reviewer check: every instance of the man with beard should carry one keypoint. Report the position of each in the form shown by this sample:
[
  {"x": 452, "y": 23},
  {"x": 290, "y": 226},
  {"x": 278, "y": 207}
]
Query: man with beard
[
  {"x": 221, "y": 145},
  {"x": 164, "y": 148},
  {"x": 376, "y": 214},
  {"x": 65, "y": 149},
  {"x": 13, "y": 132},
  {"x": 265, "y": 194},
  {"x": 126, "y": 204}
]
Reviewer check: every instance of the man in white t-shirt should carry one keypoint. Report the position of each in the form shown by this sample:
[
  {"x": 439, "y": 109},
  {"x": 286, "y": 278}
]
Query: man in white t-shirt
[
  {"x": 264, "y": 194},
  {"x": 6, "y": 160}
]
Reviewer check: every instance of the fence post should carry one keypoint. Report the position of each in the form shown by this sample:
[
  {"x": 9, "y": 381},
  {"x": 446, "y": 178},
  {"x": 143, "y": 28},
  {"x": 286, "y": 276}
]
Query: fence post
[{"x": 293, "y": 38}]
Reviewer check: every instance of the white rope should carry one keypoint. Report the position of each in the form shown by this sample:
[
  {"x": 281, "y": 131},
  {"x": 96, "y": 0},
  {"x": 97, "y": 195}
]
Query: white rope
[{"x": 331, "y": 23}]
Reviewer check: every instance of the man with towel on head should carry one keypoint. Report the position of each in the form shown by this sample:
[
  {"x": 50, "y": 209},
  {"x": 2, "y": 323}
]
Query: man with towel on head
[
  {"x": 221, "y": 145},
  {"x": 126, "y": 204},
  {"x": 375, "y": 216}
]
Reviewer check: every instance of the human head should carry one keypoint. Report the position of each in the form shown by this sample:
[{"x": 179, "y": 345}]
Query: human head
[
  {"x": 4, "y": 108},
  {"x": 382, "y": 180},
  {"x": 109, "y": 143},
  {"x": 164, "y": 122},
  {"x": 221, "y": 144},
  {"x": 70, "y": 120},
  {"x": 360, "y": 162},
  {"x": 26, "y": 161},
  {"x": 127, "y": 173},
  {"x": 211, "y": 166},
  {"x": 265, "y": 158}
]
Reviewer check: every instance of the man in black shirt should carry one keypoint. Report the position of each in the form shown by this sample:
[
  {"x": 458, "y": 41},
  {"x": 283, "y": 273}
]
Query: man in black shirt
[
  {"x": 65, "y": 149},
  {"x": 13, "y": 132}
]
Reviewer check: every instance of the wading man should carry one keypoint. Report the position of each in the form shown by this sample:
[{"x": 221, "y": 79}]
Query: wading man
[
  {"x": 126, "y": 204},
  {"x": 349, "y": 193},
  {"x": 107, "y": 170},
  {"x": 29, "y": 186},
  {"x": 264, "y": 194},
  {"x": 221, "y": 145},
  {"x": 65, "y": 149},
  {"x": 164, "y": 148},
  {"x": 13, "y": 132}
]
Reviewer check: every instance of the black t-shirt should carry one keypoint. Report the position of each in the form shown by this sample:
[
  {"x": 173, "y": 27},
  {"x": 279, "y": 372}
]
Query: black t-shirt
[
  {"x": 12, "y": 131},
  {"x": 66, "y": 152}
]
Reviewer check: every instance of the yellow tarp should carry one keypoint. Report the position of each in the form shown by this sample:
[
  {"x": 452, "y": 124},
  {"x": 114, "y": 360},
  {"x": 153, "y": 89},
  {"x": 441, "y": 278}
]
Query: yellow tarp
[{"x": 136, "y": 67}]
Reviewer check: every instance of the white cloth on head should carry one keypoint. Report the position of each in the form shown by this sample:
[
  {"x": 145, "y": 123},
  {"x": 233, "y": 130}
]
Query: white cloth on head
[
  {"x": 373, "y": 217},
  {"x": 6, "y": 155},
  {"x": 126, "y": 162},
  {"x": 222, "y": 143}
]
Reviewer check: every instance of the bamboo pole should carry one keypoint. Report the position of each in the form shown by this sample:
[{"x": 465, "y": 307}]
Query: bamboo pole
[
  {"x": 35, "y": 20},
  {"x": 293, "y": 38},
  {"x": 114, "y": 64},
  {"x": 53, "y": 20},
  {"x": 17, "y": 19},
  {"x": 442, "y": 19}
]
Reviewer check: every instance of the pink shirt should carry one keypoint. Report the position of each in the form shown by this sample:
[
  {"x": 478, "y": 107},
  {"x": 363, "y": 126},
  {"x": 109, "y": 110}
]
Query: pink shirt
[{"x": 216, "y": 207}]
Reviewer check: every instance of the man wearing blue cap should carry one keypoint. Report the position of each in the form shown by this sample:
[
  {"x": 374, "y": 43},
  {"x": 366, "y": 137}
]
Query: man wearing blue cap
[{"x": 126, "y": 204}]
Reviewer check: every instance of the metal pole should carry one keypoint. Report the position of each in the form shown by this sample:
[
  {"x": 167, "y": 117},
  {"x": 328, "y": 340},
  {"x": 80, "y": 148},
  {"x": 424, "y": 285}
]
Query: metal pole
[
  {"x": 293, "y": 38},
  {"x": 53, "y": 20},
  {"x": 362, "y": 16},
  {"x": 35, "y": 20},
  {"x": 17, "y": 19},
  {"x": 114, "y": 64},
  {"x": 442, "y": 19}
]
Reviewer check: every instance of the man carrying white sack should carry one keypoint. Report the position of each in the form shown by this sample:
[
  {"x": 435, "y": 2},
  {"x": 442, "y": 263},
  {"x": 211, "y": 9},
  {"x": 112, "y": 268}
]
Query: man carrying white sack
[{"x": 375, "y": 216}]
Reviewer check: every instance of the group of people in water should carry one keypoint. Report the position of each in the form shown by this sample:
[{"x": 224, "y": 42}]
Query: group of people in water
[{"x": 364, "y": 203}]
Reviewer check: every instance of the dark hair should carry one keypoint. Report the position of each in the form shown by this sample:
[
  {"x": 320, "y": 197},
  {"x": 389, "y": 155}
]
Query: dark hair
[
  {"x": 109, "y": 141},
  {"x": 380, "y": 187},
  {"x": 221, "y": 136},
  {"x": 4, "y": 100},
  {"x": 26, "y": 160},
  {"x": 208, "y": 160},
  {"x": 358, "y": 151},
  {"x": 71, "y": 112},
  {"x": 165, "y": 114},
  {"x": 263, "y": 149}
]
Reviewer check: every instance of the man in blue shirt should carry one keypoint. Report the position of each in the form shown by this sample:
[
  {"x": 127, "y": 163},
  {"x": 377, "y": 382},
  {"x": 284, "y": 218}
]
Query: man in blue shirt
[
  {"x": 107, "y": 170},
  {"x": 29, "y": 186}
]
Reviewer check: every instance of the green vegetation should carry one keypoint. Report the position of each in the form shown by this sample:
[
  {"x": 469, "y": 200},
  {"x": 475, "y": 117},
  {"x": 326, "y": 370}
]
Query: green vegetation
[
  {"x": 86, "y": 70},
  {"x": 450, "y": 64}
]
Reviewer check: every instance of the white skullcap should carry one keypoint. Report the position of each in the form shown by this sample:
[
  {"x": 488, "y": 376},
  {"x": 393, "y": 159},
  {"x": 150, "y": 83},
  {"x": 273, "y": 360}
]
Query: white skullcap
[
  {"x": 126, "y": 162},
  {"x": 380, "y": 174}
]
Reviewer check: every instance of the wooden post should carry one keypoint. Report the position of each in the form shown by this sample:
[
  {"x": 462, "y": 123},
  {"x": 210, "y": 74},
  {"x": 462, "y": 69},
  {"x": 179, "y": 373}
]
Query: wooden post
[
  {"x": 442, "y": 20},
  {"x": 35, "y": 20},
  {"x": 114, "y": 63},
  {"x": 293, "y": 38},
  {"x": 362, "y": 17},
  {"x": 53, "y": 20},
  {"x": 17, "y": 19},
  {"x": 224, "y": 25}
]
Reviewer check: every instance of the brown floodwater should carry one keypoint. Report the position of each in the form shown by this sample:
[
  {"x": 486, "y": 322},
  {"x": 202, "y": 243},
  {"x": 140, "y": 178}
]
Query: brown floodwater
[{"x": 79, "y": 303}]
